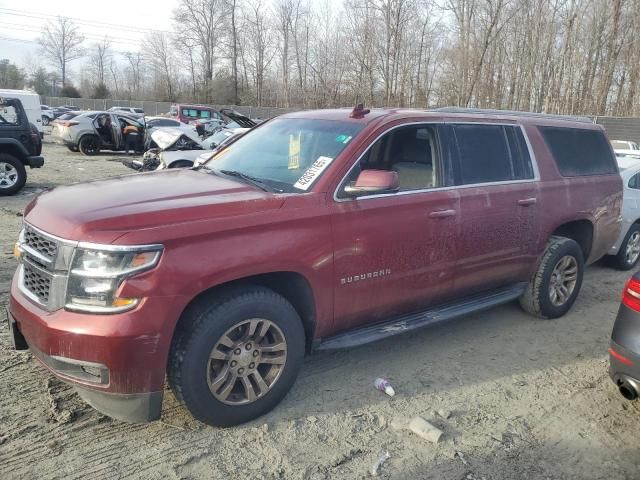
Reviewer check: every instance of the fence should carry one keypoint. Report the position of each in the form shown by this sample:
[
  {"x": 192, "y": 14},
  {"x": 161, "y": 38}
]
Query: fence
[
  {"x": 618, "y": 128},
  {"x": 157, "y": 108},
  {"x": 621, "y": 128}
]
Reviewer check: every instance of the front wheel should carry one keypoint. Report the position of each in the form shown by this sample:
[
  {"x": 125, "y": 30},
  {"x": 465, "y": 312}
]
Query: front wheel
[
  {"x": 45, "y": 120},
  {"x": 72, "y": 148},
  {"x": 13, "y": 175},
  {"x": 236, "y": 356},
  {"x": 555, "y": 285},
  {"x": 629, "y": 251}
]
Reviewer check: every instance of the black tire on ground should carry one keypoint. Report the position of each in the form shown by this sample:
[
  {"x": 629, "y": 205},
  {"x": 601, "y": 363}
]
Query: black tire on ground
[
  {"x": 13, "y": 175},
  {"x": 537, "y": 299},
  {"x": 181, "y": 164},
  {"x": 625, "y": 260},
  {"x": 89, "y": 145},
  {"x": 203, "y": 325},
  {"x": 73, "y": 148},
  {"x": 45, "y": 120}
]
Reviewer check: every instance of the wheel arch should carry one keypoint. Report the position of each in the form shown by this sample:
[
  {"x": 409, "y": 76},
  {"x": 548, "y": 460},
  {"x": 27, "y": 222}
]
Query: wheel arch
[
  {"x": 292, "y": 286},
  {"x": 181, "y": 164},
  {"x": 11, "y": 146},
  {"x": 580, "y": 231}
]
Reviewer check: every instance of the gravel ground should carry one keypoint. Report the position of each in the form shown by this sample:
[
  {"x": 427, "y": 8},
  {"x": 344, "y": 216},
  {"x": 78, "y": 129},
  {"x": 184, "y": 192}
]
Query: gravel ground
[{"x": 515, "y": 396}]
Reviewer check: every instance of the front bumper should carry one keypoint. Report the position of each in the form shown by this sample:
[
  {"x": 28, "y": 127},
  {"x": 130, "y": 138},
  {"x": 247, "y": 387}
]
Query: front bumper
[{"x": 116, "y": 362}]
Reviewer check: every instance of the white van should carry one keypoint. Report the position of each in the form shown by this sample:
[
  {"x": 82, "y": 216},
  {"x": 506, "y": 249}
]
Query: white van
[{"x": 31, "y": 104}]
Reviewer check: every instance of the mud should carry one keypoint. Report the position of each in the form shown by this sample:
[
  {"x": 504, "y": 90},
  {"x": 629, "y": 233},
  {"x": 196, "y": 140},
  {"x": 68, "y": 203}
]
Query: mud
[{"x": 516, "y": 397}]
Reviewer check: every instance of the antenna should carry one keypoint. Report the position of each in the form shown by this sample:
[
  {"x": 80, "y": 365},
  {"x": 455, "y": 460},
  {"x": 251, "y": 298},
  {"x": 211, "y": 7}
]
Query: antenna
[{"x": 359, "y": 111}]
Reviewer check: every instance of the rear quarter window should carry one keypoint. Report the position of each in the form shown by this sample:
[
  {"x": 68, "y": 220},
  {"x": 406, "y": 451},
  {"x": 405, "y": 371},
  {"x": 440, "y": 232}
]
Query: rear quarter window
[
  {"x": 9, "y": 115},
  {"x": 578, "y": 152}
]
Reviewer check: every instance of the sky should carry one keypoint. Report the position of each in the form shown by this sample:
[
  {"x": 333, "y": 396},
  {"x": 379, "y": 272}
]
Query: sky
[{"x": 125, "y": 22}]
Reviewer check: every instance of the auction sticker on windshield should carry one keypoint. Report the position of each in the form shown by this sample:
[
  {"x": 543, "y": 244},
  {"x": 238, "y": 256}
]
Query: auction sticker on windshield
[{"x": 313, "y": 172}]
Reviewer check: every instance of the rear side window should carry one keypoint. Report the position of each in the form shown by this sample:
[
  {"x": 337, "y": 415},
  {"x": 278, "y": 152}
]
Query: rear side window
[
  {"x": 9, "y": 115},
  {"x": 162, "y": 122},
  {"x": 579, "y": 152},
  {"x": 68, "y": 116},
  {"x": 491, "y": 153}
]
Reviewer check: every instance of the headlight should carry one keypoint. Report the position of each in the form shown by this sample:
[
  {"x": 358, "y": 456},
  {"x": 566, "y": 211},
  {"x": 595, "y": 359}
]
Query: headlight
[{"x": 96, "y": 276}]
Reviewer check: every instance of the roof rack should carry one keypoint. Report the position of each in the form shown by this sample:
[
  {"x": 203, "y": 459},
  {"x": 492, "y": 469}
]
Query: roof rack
[{"x": 514, "y": 113}]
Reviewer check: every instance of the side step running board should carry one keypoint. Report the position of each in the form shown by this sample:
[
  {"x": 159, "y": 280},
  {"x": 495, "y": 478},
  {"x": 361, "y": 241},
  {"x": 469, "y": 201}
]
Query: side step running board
[{"x": 413, "y": 321}]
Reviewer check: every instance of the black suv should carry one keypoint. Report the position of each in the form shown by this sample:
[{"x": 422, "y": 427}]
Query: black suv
[{"x": 20, "y": 146}]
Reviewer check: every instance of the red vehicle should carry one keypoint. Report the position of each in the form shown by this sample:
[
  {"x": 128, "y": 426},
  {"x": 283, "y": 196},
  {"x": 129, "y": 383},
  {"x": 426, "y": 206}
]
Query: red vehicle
[
  {"x": 190, "y": 114},
  {"x": 316, "y": 230}
]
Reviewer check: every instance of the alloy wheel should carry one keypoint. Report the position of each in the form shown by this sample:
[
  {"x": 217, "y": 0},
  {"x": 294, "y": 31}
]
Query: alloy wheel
[
  {"x": 8, "y": 175},
  {"x": 633, "y": 248},
  {"x": 246, "y": 362},
  {"x": 563, "y": 280}
]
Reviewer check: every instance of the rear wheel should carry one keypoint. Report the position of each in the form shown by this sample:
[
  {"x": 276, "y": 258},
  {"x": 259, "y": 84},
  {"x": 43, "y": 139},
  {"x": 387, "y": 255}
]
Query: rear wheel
[
  {"x": 629, "y": 251},
  {"x": 13, "y": 175},
  {"x": 72, "y": 148},
  {"x": 236, "y": 356},
  {"x": 555, "y": 285},
  {"x": 89, "y": 145}
]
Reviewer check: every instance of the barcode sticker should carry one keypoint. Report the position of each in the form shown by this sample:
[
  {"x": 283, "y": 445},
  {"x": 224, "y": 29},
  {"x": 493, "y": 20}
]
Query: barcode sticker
[{"x": 313, "y": 172}]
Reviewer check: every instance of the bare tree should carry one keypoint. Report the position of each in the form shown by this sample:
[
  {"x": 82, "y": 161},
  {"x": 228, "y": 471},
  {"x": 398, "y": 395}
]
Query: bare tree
[
  {"x": 204, "y": 23},
  {"x": 61, "y": 43},
  {"x": 234, "y": 50},
  {"x": 134, "y": 73},
  {"x": 99, "y": 59},
  {"x": 160, "y": 58}
]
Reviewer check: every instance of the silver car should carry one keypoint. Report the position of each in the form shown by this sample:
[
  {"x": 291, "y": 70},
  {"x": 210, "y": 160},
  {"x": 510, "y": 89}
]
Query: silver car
[
  {"x": 91, "y": 132},
  {"x": 626, "y": 251}
]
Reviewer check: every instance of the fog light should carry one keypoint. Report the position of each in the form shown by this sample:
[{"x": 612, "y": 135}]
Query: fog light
[
  {"x": 93, "y": 371},
  {"x": 17, "y": 251}
]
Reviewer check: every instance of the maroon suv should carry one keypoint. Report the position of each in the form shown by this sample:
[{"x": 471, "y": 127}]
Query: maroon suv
[{"x": 317, "y": 230}]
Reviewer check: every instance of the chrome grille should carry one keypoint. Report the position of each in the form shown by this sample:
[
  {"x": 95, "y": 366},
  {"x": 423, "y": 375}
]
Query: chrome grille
[
  {"x": 45, "y": 267},
  {"x": 37, "y": 282},
  {"x": 41, "y": 244}
]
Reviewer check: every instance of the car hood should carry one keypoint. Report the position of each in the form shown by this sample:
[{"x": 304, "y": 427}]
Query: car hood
[
  {"x": 167, "y": 137},
  {"x": 101, "y": 211}
]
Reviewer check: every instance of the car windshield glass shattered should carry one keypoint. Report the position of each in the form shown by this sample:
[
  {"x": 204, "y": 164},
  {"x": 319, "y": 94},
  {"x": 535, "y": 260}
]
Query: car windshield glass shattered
[{"x": 287, "y": 154}]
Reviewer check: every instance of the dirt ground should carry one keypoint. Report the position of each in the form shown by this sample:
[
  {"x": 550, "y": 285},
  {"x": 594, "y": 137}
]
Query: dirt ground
[{"x": 517, "y": 398}]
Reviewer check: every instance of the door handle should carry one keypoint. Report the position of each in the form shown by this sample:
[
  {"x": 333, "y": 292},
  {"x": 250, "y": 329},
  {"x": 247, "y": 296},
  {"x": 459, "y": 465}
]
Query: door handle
[
  {"x": 525, "y": 202},
  {"x": 442, "y": 213}
]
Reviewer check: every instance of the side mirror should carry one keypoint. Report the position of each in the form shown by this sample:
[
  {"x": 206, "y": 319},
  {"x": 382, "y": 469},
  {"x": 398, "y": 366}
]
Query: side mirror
[{"x": 371, "y": 182}]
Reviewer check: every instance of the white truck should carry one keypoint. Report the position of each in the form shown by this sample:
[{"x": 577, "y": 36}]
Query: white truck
[{"x": 31, "y": 104}]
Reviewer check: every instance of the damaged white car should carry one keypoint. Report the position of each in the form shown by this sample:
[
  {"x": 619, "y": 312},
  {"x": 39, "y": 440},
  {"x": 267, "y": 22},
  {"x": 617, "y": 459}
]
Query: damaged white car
[{"x": 182, "y": 149}]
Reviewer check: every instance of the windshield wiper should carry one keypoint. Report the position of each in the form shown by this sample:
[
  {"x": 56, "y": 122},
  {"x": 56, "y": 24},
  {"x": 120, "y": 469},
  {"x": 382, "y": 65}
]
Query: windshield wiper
[{"x": 248, "y": 179}]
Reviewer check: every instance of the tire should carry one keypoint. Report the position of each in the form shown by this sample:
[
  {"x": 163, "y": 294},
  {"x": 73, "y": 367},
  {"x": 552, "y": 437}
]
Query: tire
[
  {"x": 538, "y": 298},
  {"x": 13, "y": 175},
  {"x": 89, "y": 145},
  {"x": 212, "y": 320},
  {"x": 181, "y": 164},
  {"x": 45, "y": 120},
  {"x": 629, "y": 251},
  {"x": 73, "y": 148}
]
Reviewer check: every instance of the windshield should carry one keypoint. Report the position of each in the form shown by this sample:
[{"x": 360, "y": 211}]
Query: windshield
[{"x": 289, "y": 154}]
